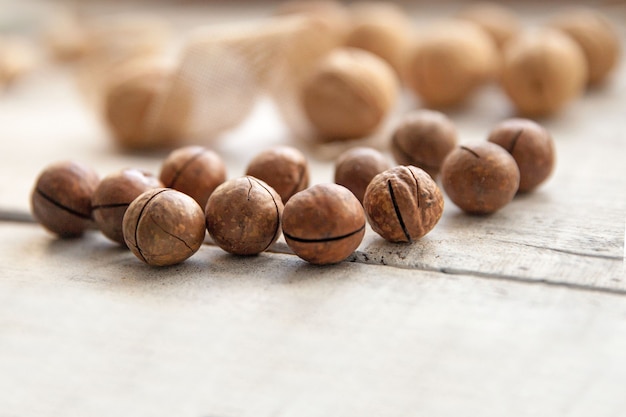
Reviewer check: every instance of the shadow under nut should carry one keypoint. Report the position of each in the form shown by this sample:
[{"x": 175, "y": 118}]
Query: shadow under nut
[
  {"x": 164, "y": 227},
  {"x": 403, "y": 204}
]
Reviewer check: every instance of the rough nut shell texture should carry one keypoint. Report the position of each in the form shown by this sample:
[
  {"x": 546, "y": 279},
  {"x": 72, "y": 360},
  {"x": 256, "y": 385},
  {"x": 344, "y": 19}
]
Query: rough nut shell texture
[
  {"x": 403, "y": 204},
  {"x": 243, "y": 216},
  {"x": 61, "y": 199},
  {"x": 163, "y": 227},
  {"x": 324, "y": 224}
]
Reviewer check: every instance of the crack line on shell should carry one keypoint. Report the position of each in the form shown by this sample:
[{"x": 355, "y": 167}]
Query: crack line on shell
[
  {"x": 329, "y": 239},
  {"x": 62, "y": 207}
]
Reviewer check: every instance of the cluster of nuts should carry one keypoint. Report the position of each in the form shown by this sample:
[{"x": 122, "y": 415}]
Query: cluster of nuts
[
  {"x": 336, "y": 69},
  {"x": 541, "y": 70},
  {"x": 163, "y": 220},
  {"x": 479, "y": 178}
]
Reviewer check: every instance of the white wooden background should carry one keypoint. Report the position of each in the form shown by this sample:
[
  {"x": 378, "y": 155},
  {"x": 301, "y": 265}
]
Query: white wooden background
[{"x": 521, "y": 313}]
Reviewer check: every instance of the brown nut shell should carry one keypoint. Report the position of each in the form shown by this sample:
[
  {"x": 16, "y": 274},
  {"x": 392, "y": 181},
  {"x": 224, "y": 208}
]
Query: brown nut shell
[
  {"x": 113, "y": 196},
  {"x": 480, "y": 178},
  {"x": 403, "y": 204},
  {"x": 324, "y": 224},
  {"x": 531, "y": 146},
  {"x": 349, "y": 94},
  {"x": 283, "y": 168},
  {"x": 597, "y": 37},
  {"x": 355, "y": 168},
  {"x": 543, "y": 71},
  {"x": 423, "y": 139},
  {"x": 243, "y": 216},
  {"x": 195, "y": 171},
  {"x": 163, "y": 227},
  {"x": 61, "y": 198}
]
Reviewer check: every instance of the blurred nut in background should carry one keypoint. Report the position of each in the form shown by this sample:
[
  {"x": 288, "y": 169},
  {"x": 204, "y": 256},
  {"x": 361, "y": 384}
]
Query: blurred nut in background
[
  {"x": 349, "y": 94},
  {"x": 66, "y": 37},
  {"x": 543, "y": 71},
  {"x": 423, "y": 139},
  {"x": 143, "y": 112},
  {"x": 195, "y": 171},
  {"x": 17, "y": 58},
  {"x": 597, "y": 37},
  {"x": 381, "y": 28},
  {"x": 355, "y": 168},
  {"x": 448, "y": 62},
  {"x": 497, "y": 20},
  {"x": 332, "y": 14}
]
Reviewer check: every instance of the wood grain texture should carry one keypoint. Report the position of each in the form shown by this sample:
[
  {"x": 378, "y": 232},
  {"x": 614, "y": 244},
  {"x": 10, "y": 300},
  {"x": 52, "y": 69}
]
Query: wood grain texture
[
  {"x": 110, "y": 336},
  {"x": 521, "y": 313}
]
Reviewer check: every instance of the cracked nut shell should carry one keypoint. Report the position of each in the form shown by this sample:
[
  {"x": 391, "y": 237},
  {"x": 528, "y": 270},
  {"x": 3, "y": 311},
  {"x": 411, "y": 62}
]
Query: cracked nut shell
[
  {"x": 163, "y": 227},
  {"x": 61, "y": 198},
  {"x": 403, "y": 204},
  {"x": 283, "y": 168},
  {"x": 356, "y": 167},
  {"x": 324, "y": 224},
  {"x": 480, "y": 178},
  {"x": 113, "y": 196},
  {"x": 243, "y": 216},
  {"x": 531, "y": 146},
  {"x": 423, "y": 139},
  {"x": 195, "y": 171}
]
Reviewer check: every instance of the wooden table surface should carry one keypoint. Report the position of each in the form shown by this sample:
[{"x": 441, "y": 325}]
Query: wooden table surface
[{"x": 521, "y": 313}]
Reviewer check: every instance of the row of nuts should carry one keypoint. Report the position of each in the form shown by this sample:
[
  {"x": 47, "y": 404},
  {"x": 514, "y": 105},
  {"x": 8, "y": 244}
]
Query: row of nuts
[
  {"x": 163, "y": 222},
  {"x": 351, "y": 90},
  {"x": 347, "y": 89}
]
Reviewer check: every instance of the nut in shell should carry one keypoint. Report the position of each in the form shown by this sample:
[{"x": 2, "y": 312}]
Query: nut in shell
[
  {"x": 543, "y": 71},
  {"x": 113, "y": 196},
  {"x": 531, "y": 146},
  {"x": 403, "y": 204},
  {"x": 163, "y": 227},
  {"x": 324, "y": 224},
  {"x": 449, "y": 62},
  {"x": 355, "y": 168},
  {"x": 283, "y": 168},
  {"x": 480, "y": 178},
  {"x": 195, "y": 171},
  {"x": 597, "y": 37},
  {"x": 349, "y": 94},
  {"x": 61, "y": 198},
  {"x": 243, "y": 216},
  {"x": 423, "y": 139}
]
